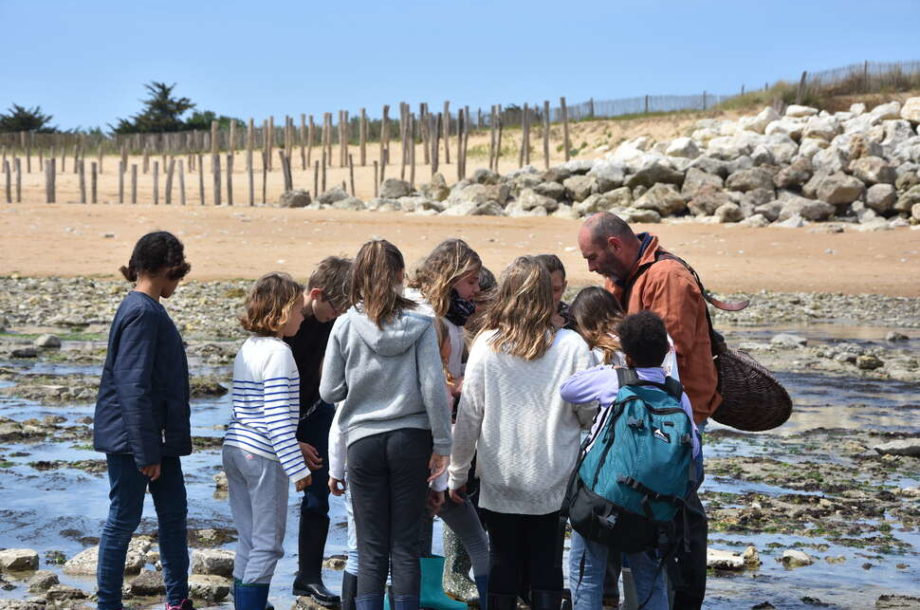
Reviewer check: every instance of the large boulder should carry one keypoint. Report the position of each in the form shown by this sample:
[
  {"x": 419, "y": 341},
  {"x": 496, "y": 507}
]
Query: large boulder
[
  {"x": 213, "y": 561},
  {"x": 810, "y": 147},
  {"x": 349, "y": 203},
  {"x": 729, "y": 212},
  {"x": 873, "y": 170},
  {"x": 783, "y": 148},
  {"x": 820, "y": 127},
  {"x": 809, "y": 209},
  {"x": 787, "y": 126},
  {"x": 797, "y": 111},
  {"x": 796, "y": 174},
  {"x": 394, "y": 188},
  {"x": 554, "y": 190},
  {"x": 886, "y": 112},
  {"x": 297, "y": 198},
  {"x": 762, "y": 155},
  {"x": 147, "y": 583},
  {"x": 637, "y": 216},
  {"x": 683, "y": 147},
  {"x": 750, "y": 179},
  {"x": 208, "y": 588},
  {"x": 485, "y": 176},
  {"x": 332, "y": 195},
  {"x": 758, "y": 124},
  {"x": 530, "y": 199},
  {"x": 711, "y": 165},
  {"x": 480, "y": 193},
  {"x": 881, "y": 197},
  {"x": 906, "y": 201},
  {"x": 910, "y": 111},
  {"x": 836, "y": 189},
  {"x": 18, "y": 560},
  {"x": 419, "y": 204},
  {"x": 655, "y": 173},
  {"x": 770, "y": 210},
  {"x": 663, "y": 199},
  {"x": 84, "y": 562},
  {"x": 830, "y": 160},
  {"x": 696, "y": 179},
  {"x": 608, "y": 175},
  {"x": 578, "y": 187},
  {"x": 731, "y": 147},
  {"x": 707, "y": 199},
  {"x": 896, "y": 132},
  {"x": 437, "y": 189}
]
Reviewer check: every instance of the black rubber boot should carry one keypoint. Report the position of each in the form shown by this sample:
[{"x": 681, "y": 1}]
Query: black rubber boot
[
  {"x": 349, "y": 590},
  {"x": 310, "y": 545},
  {"x": 498, "y": 601}
]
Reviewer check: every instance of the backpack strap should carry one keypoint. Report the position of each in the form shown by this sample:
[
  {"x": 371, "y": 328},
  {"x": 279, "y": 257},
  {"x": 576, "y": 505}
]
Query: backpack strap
[{"x": 630, "y": 377}]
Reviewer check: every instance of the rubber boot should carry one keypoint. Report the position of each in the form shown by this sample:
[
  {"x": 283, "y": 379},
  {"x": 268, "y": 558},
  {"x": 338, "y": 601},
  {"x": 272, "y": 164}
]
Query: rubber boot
[
  {"x": 311, "y": 541},
  {"x": 432, "y": 594},
  {"x": 457, "y": 567},
  {"x": 499, "y": 601},
  {"x": 250, "y": 597},
  {"x": 546, "y": 600},
  {"x": 482, "y": 585},
  {"x": 349, "y": 589}
]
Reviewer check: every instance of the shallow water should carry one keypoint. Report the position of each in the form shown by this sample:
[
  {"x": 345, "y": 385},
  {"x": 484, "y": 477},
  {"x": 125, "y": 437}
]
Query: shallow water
[{"x": 57, "y": 509}]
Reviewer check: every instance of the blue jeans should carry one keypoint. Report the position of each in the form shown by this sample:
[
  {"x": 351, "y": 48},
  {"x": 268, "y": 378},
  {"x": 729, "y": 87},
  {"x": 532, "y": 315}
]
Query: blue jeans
[
  {"x": 127, "y": 486},
  {"x": 588, "y": 567}
]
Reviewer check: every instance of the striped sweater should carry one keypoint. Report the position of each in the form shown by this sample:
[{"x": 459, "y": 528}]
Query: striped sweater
[{"x": 266, "y": 404}]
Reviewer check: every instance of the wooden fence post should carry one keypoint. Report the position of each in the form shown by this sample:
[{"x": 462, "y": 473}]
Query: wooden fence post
[
  {"x": 303, "y": 141},
  {"x": 200, "y": 162},
  {"x": 156, "y": 182},
  {"x": 362, "y": 136},
  {"x": 215, "y": 169},
  {"x": 423, "y": 128},
  {"x": 49, "y": 179},
  {"x": 77, "y": 155},
  {"x": 81, "y": 170},
  {"x": 404, "y": 151},
  {"x": 286, "y": 170},
  {"x": 92, "y": 181},
  {"x": 411, "y": 149},
  {"x": 343, "y": 142},
  {"x": 231, "y": 145},
  {"x": 99, "y": 157},
  {"x": 351, "y": 174},
  {"x": 9, "y": 180},
  {"x": 315, "y": 180},
  {"x": 252, "y": 179},
  {"x": 323, "y": 170},
  {"x": 460, "y": 127},
  {"x": 250, "y": 142},
  {"x": 146, "y": 159},
  {"x": 435, "y": 135},
  {"x": 384, "y": 135},
  {"x": 498, "y": 145},
  {"x": 264, "y": 177},
  {"x": 524, "y": 153},
  {"x": 546, "y": 133},
  {"x": 170, "y": 170},
  {"x": 28, "y": 148},
  {"x": 565, "y": 128},
  {"x": 121, "y": 181},
  {"x": 492, "y": 121},
  {"x": 310, "y": 135},
  {"x": 181, "y": 182},
  {"x": 134, "y": 183},
  {"x": 18, "y": 162},
  {"x": 376, "y": 183},
  {"x": 271, "y": 141},
  {"x": 446, "y": 126},
  {"x": 230, "y": 179}
]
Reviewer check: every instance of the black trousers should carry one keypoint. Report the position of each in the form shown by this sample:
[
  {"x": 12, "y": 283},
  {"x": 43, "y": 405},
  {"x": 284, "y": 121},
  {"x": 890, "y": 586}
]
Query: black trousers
[
  {"x": 388, "y": 475},
  {"x": 314, "y": 429},
  {"x": 691, "y": 567},
  {"x": 524, "y": 542}
]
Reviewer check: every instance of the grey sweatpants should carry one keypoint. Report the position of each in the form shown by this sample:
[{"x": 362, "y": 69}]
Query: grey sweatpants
[{"x": 258, "y": 501}]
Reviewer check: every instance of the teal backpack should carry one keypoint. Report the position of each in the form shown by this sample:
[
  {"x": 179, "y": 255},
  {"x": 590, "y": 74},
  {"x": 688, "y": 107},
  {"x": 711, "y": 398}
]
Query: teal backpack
[{"x": 635, "y": 472}]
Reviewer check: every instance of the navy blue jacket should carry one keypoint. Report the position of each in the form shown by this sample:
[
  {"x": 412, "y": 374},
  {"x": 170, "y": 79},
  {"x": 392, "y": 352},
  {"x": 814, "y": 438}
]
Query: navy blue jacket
[{"x": 143, "y": 403}]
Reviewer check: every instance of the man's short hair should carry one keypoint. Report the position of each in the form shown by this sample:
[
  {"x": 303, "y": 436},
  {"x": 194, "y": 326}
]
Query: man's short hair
[
  {"x": 604, "y": 225},
  {"x": 331, "y": 276},
  {"x": 644, "y": 339}
]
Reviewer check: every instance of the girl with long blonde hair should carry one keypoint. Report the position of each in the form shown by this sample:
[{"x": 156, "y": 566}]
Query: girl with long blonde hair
[{"x": 525, "y": 436}]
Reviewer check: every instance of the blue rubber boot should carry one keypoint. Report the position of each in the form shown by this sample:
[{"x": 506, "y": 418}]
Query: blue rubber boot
[
  {"x": 432, "y": 595},
  {"x": 250, "y": 597},
  {"x": 482, "y": 585}
]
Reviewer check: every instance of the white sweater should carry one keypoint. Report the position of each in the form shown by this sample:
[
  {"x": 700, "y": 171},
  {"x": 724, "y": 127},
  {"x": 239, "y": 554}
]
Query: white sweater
[
  {"x": 512, "y": 417},
  {"x": 266, "y": 404}
]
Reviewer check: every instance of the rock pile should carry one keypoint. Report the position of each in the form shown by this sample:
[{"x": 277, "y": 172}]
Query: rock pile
[{"x": 802, "y": 166}]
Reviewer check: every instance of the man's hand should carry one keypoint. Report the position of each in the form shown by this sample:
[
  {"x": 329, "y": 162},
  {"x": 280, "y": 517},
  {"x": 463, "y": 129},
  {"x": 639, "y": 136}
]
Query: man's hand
[
  {"x": 437, "y": 465},
  {"x": 336, "y": 487},
  {"x": 458, "y": 496},
  {"x": 311, "y": 456},
  {"x": 152, "y": 471},
  {"x": 303, "y": 483},
  {"x": 435, "y": 501}
]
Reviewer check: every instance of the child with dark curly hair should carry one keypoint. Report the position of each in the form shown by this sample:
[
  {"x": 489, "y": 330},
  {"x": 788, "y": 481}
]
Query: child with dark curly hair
[{"x": 142, "y": 421}]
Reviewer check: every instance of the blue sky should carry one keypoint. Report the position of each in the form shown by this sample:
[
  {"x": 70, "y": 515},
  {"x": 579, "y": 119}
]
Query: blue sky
[{"x": 85, "y": 62}]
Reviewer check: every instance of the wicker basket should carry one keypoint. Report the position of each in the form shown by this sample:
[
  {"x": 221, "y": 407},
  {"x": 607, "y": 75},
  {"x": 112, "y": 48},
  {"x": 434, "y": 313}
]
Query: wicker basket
[{"x": 752, "y": 399}]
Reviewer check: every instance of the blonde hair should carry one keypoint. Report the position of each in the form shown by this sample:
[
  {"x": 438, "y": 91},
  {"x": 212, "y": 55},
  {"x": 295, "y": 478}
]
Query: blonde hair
[
  {"x": 269, "y": 304},
  {"x": 440, "y": 327},
  {"x": 522, "y": 313},
  {"x": 442, "y": 268},
  {"x": 596, "y": 313},
  {"x": 372, "y": 281}
]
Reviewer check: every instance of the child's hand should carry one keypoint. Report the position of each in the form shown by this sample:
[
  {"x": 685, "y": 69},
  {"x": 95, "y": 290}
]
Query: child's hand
[
  {"x": 458, "y": 496},
  {"x": 311, "y": 456},
  {"x": 456, "y": 387},
  {"x": 437, "y": 465},
  {"x": 435, "y": 501},
  {"x": 303, "y": 483},
  {"x": 152, "y": 471},
  {"x": 336, "y": 487}
]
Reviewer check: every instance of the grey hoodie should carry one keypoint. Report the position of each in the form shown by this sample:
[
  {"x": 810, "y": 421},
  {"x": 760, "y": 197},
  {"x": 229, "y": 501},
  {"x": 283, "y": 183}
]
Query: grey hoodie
[{"x": 386, "y": 379}]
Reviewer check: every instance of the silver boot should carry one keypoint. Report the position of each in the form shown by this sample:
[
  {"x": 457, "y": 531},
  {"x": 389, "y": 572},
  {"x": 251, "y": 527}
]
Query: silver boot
[{"x": 457, "y": 565}]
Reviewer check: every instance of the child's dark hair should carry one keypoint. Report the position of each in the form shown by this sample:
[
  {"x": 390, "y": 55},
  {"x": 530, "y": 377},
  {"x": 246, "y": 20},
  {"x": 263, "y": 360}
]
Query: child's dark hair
[
  {"x": 644, "y": 339},
  {"x": 487, "y": 281},
  {"x": 154, "y": 253},
  {"x": 331, "y": 276},
  {"x": 596, "y": 313},
  {"x": 552, "y": 263}
]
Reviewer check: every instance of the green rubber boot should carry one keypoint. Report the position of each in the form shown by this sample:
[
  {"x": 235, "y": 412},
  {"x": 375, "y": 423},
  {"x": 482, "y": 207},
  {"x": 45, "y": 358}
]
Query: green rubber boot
[{"x": 432, "y": 593}]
